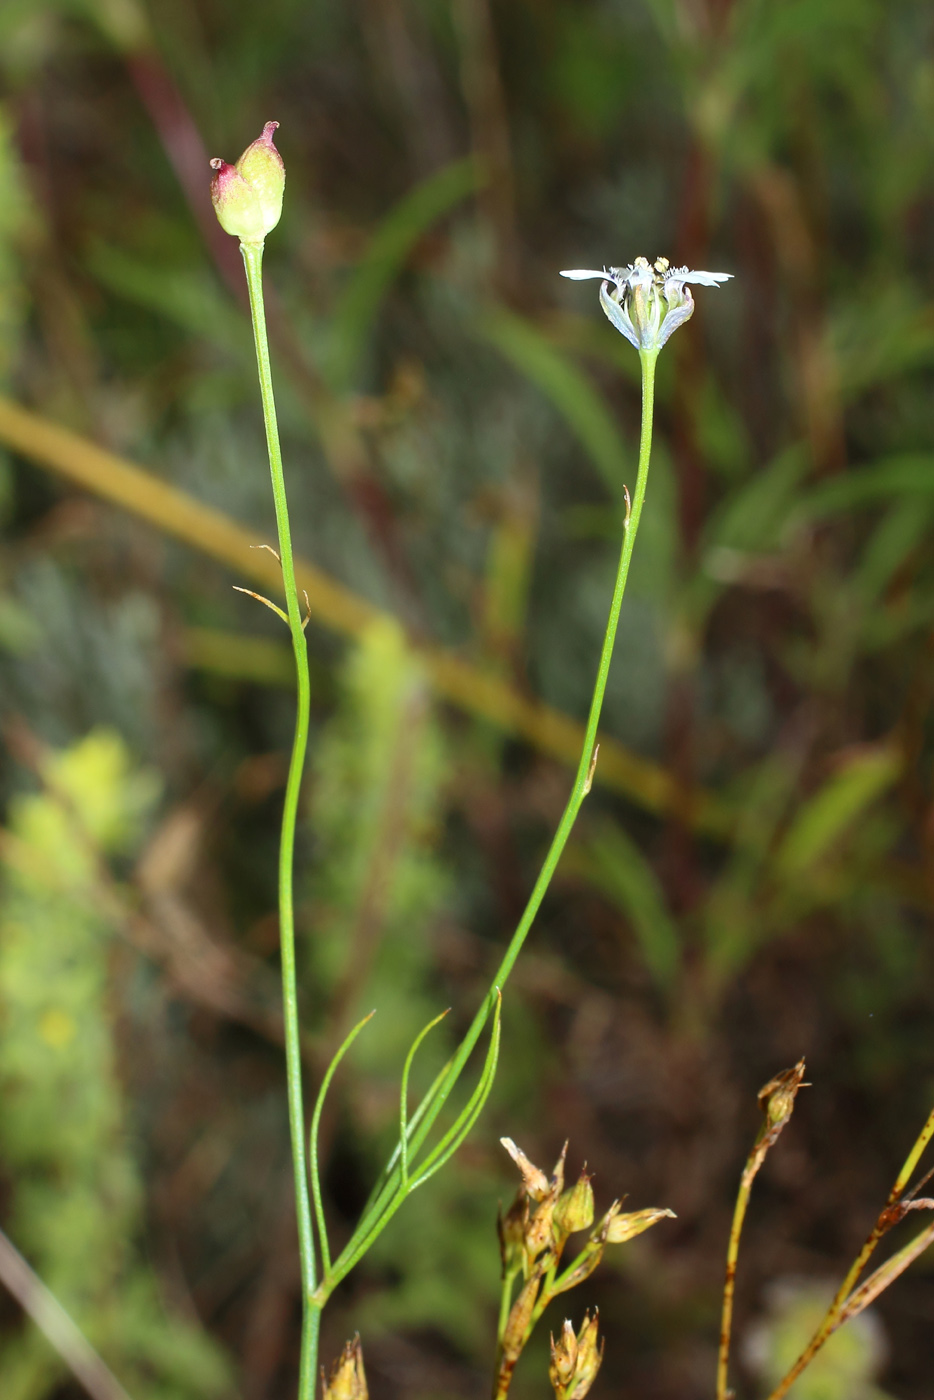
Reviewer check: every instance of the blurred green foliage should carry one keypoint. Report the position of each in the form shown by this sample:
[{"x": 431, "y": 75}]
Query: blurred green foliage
[
  {"x": 376, "y": 882},
  {"x": 846, "y": 1367},
  {"x": 458, "y": 425},
  {"x": 66, "y": 1132}
]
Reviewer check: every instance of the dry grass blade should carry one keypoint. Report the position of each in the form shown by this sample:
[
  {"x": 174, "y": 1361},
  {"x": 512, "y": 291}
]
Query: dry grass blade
[
  {"x": 886, "y": 1274},
  {"x": 336, "y": 607},
  {"x": 56, "y": 1326}
]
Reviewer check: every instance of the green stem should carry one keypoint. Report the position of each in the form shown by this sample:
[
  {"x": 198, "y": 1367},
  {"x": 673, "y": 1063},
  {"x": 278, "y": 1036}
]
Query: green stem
[
  {"x": 588, "y": 756},
  {"x": 750, "y": 1170},
  {"x": 505, "y": 1303},
  {"x": 583, "y": 777},
  {"x": 578, "y": 793},
  {"x": 253, "y": 262}
]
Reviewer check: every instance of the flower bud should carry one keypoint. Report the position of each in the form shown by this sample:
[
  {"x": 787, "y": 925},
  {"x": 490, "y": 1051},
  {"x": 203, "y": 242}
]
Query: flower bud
[
  {"x": 247, "y": 197},
  {"x": 563, "y": 1359},
  {"x": 574, "y": 1210},
  {"x": 347, "y": 1380}
]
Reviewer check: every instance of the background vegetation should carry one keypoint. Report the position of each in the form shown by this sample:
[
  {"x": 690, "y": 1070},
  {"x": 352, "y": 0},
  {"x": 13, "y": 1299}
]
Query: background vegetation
[{"x": 752, "y": 878}]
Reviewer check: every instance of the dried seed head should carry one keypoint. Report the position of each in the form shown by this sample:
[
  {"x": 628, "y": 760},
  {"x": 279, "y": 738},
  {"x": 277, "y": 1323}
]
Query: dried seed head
[
  {"x": 247, "y": 197},
  {"x": 534, "y": 1180},
  {"x": 557, "y": 1176},
  {"x": 540, "y": 1226},
  {"x": 777, "y": 1098},
  {"x": 563, "y": 1359},
  {"x": 589, "y": 1357},
  {"x": 347, "y": 1380},
  {"x": 622, "y": 1227}
]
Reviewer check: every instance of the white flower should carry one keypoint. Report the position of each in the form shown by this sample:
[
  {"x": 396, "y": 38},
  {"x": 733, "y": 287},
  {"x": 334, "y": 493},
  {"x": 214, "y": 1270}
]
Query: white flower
[{"x": 647, "y": 302}]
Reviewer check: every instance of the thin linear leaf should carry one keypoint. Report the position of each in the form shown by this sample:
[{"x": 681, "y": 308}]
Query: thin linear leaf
[
  {"x": 313, "y": 1138},
  {"x": 911, "y": 474},
  {"x": 404, "y": 1095},
  {"x": 614, "y": 864},
  {"x": 191, "y": 299},
  {"x": 471, "y": 1111},
  {"x": 822, "y": 820},
  {"x": 395, "y": 1190}
]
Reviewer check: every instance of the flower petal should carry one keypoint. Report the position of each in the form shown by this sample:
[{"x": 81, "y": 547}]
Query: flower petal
[
  {"x": 579, "y": 274},
  {"x": 676, "y": 316},
  {"x": 701, "y": 279},
  {"x": 637, "y": 274},
  {"x": 618, "y": 316}
]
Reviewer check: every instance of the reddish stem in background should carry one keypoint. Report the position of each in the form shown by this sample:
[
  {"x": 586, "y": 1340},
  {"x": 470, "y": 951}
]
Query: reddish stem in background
[{"x": 188, "y": 156}]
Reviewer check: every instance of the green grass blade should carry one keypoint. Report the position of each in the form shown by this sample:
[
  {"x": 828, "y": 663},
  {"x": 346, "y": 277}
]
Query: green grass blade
[
  {"x": 389, "y": 247},
  {"x": 571, "y": 392}
]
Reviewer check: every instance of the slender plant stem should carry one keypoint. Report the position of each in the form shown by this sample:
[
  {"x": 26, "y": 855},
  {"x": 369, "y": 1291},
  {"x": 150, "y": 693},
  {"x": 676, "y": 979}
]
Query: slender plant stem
[
  {"x": 579, "y": 791},
  {"x": 834, "y": 1314},
  {"x": 253, "y": 262},
  {"x": 736, "y": 1229},
  {"x": 505, "y": 1303},
  {"x": 584, "y": 774}
]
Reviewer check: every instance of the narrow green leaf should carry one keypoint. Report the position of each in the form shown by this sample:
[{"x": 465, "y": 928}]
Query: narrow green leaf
[
  {"x": 313, "y": 1140},
  {"x": 901, "y": 528},
  {"x": 385, "y": 256},
  {"x": 753, "y": 513},
  {"x": 471, "y": 1111},
  {"x": 404, "y": 1095},
  {"x": 192, "y": 299},
  {"x": 911, "y": 474},
  {"x": 570, "y": 391},
  {"x": 845, "y": 795},
  {"x": 615, "y": 866},
  {"x": 396, "y": 1188}
]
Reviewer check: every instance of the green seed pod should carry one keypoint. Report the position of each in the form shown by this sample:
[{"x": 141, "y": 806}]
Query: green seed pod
[
  {"x": 777, "y": 1098},
  {"x": 247, "y": 197},
  {"x": 574, "y": 1210}
]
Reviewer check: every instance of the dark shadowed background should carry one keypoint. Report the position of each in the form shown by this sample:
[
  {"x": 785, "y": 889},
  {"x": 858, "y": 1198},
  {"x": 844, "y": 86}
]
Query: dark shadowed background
[{"x": 751, "y": 879}]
